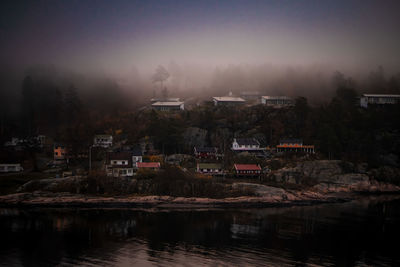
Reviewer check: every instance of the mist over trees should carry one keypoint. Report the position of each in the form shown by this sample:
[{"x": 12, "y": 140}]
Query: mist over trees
[{"x": 75, "y": 106}]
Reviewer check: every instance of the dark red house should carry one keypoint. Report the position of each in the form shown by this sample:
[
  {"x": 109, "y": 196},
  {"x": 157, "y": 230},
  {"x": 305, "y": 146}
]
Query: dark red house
[
  {"x": 247, "y": 169},
  {"x": 205, "y": 152}
]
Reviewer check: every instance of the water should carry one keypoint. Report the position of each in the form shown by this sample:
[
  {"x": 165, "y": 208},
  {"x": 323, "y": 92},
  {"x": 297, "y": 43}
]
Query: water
[{"x": 359, "y": 233}]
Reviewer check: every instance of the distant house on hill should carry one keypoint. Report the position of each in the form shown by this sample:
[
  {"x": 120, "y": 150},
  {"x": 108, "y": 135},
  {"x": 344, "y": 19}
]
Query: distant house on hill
[
  {"x": 247, "y": 169},
  {"x": 149, "y": 165},
  {"x": 10, "y": 167},
  {"x": 135, "y": 151},
  {"x": 103, "y": 140},
  {"x": 205, "y": 152},
  {"x": 168, "y": 105},
  {"x": 60, "y": 153},
  {"x": 277, "y": 101},
  {"x": 250, "y": 145},
  {"x": 227, "y": 101},
  {"x": 378, "y": 99},
  {"x": 119, "y": 164},
  {"x": 209, "y": 168},
  {"x": 294, "y": 145}
]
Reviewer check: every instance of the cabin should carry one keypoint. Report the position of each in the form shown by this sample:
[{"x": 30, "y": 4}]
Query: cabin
[
  {"x": 205, "y": 152},
  {"x": 294, "y": 145},
  {"x": 60, "y": 152},
  {"x": 168, "y": 105},
  {"x": 119, "y": 164},
  {"x": 247, "y": 169},
  {"x": 228, "y": 101},
  {"x": 249, "y": 145},
  {"x": 11, "y": 167},
  {"x": 378, "y": 100},
  {"x": 155, "y": 166},
  {"x": 209, "y": 168},
  {"x": 103, "y": 140},
  {"x": 277, "y": 101}
]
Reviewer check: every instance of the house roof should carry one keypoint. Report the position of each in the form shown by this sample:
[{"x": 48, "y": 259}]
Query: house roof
[
  {"x": 119, "y": 156},
  {"x": 247, "y": 141},
  {"x": 167, "y": 104},
  {"x": 209, "y": 166},
  {"x": 228, "y": 99},
  {"x": 206, "y": 149},
  {"x": 247, "y": 167},
  {"x": 148, "y": 164},
  {"x": 291, "y": 141},
  {"x": 380, "y": 95}
]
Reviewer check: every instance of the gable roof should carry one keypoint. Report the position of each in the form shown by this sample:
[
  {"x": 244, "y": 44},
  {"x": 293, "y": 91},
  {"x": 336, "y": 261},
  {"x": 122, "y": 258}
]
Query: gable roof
[
  {"x": 148, "y": 165},
  {"x": 228, "y": 99},
  {"x": 167, "y": 104},
  {"x": 247, "y": 141},
  {"x": 247, "y": 167}
]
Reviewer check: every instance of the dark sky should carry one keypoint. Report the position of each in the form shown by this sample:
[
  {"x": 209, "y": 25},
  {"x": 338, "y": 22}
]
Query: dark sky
[{"x": 116, "y": 35}]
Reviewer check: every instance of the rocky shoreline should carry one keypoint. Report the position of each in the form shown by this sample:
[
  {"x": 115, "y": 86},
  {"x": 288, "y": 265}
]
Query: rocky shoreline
[{"x": 314, "y": 182}]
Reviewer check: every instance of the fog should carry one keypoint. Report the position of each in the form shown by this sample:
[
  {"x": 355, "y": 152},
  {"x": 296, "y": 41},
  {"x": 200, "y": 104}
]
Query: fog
[{"x": 109, "y": 51}]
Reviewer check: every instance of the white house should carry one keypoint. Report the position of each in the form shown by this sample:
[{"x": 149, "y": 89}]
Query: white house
[
  {"x": 277, "y": 101},
  {"x": 228, "y": 100},
  {"x": 378, "y": 99},
  {"x": 15, "y": 167},
  {"x": 168, "y": 105},
  {"x": 246, "y": 145},
  {"x": 103, "y": 140},
  {"x": 119, "y": 164}
]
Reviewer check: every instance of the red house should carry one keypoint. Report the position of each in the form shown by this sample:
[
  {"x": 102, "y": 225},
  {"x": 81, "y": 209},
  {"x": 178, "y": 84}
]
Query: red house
[
  {"x": 149, "y": 165},
  {"x": 205, "y": 152},
  {"x": 247, "y": 169}
]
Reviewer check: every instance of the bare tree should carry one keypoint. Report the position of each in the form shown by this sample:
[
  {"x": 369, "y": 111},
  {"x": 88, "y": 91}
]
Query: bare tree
[{"x": 160, "y": 75}]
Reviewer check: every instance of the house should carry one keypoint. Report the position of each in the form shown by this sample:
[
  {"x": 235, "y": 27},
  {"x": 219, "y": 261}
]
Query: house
[
  {"x": 168, "y": 105},
  {"x": 250, "y": 145},
  {"x": 228, "y": 101},
  {"x": 103, "y": 140},
  {"x": 205, "y": 152},
  {"x": 149, "y": 165},
  {"x": 11, "y": 167},
  {"x": 209, "y": 168},
  {"x": 137, "y": 155},
  {"x": 277, "y": 101},
  {"x": 14, "y": 142},
  {"x": 247, "y": 169},
  {"x": 119, "y": 164},
  {"x": 294, "y": 145},
  {"x": 378, "y": 99},
  {"x": 60, "y": 152}
]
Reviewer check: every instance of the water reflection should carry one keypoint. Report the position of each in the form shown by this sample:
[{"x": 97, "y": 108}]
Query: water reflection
[{"x": 347, "y": 234}]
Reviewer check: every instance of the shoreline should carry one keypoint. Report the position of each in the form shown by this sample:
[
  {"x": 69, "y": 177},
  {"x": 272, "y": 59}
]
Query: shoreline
[{"x": 66, "y": 200}]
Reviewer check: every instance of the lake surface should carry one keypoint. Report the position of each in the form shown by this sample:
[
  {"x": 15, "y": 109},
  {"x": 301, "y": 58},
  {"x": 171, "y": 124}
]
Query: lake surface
[{"x": 365, "y": 232}]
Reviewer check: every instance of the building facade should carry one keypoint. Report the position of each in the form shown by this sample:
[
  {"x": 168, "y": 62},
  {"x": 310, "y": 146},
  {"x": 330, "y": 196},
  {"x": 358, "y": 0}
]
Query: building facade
[
  {"x": 277, "y": 101},
  {"x": 168, "y": 106},
  {"x": 294, "y": 145},
  {"x": 378, "y": 99},
  {"x": 209, "y": 168},
  {"x": 103, "y": 140}
]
